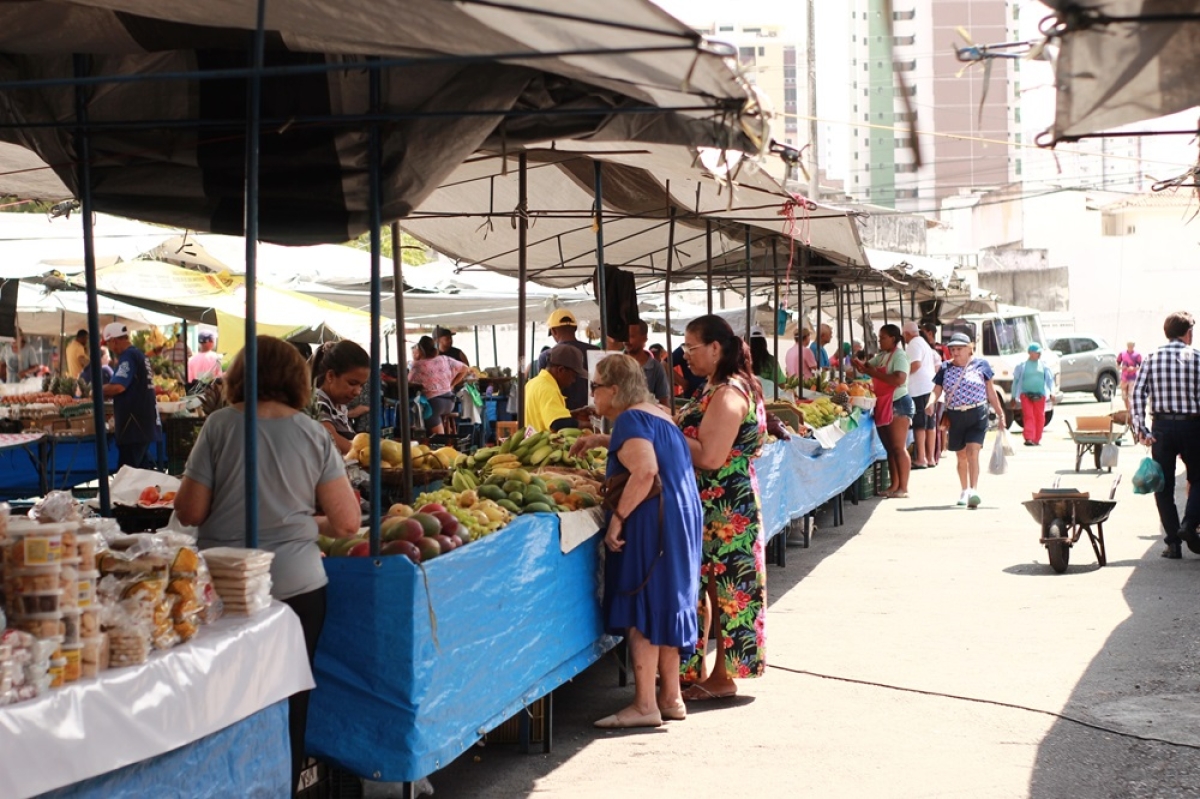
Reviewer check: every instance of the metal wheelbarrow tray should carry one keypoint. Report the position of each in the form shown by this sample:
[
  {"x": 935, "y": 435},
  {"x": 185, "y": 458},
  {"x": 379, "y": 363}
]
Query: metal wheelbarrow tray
[{"x": 1065, "y": 514}]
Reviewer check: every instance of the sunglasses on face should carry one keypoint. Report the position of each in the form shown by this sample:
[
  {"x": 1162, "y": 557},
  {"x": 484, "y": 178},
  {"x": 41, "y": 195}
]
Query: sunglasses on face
[{"x": 595, "y": 386}]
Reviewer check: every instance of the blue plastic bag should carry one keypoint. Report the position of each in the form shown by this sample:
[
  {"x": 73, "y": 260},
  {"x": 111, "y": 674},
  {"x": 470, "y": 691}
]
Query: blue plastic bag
[{"x": 1148, "y": 479}]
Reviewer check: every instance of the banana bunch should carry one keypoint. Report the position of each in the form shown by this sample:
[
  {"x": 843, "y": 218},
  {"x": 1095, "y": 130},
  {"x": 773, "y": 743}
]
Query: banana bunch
[
  {"x": 463, "y": 480},
  {"x": 533, "y": 452},
  {"x": 820, "y": 413}
]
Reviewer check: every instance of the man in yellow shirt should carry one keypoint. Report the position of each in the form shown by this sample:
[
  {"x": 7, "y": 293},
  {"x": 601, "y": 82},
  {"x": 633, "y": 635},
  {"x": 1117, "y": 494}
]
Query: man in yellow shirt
[
  {"x": 77, "y": 354},
  {"x": 545, "y": 406}
]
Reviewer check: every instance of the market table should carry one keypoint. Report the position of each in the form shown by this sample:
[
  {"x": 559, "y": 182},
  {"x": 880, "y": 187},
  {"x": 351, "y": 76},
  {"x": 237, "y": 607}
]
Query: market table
[
  {"x": 796, "y": 477},
  {"x": 211, "y": 712},
  {"x": 54, "y": 462},
  {"x": 416, "y": 663}
]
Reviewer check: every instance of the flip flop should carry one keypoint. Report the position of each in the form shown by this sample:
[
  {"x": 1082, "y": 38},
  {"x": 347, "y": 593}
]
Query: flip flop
[
  {"x": 705, "y": 695},
  {"x": 897, "y": 495}
]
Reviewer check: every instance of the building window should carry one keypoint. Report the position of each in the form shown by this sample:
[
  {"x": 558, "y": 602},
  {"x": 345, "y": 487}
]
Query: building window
[
  {"x": 904, "y": 15},
  {"x": 906, "y": 117},
  {"x": 911, "y": 91},
  {"x": 907, "y": 194},
  {"x": 1017, "y": 115},
  {"x": 726, "y": 29},
  {"x": 866, "y": 66},
  {"x": 905, "y": 66},
  {"x": 866, "y": 92},
  {"x": 905, "y": 168},
  {"x": 902, "y": 143},
  {"x": 904, "y": 41},
  {"x": 762, "y": 51},
  {"x": 866, "y": 142}
]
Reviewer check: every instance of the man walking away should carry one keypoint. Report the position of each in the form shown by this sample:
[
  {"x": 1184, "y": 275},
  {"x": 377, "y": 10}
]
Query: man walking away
[
  {"x": 1168, "y": 385},
  {"x": 1034, "y": 382},
  {"x": 923, "y": 366}
]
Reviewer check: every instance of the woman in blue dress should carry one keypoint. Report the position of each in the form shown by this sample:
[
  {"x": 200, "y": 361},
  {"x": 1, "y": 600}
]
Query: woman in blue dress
[{"x": 652, "y": 570}]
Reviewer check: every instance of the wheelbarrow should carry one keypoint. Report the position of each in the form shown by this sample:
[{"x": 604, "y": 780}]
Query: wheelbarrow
[
  {"x": 1065, "y": 515},
  {"x": 1093, "y": 433}
]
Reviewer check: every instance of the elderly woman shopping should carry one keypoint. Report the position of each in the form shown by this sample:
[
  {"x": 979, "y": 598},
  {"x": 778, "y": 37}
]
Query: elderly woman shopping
[
  {"x": 652, "y": 573},
  {"x": 966, "y": 382}
]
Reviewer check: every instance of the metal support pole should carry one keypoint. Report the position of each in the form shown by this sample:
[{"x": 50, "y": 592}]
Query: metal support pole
[
  {"x": 817, "y": 333},
  {"x": 495, "y": 348},
  {"x": 478, "y": 354},
  {"x": 912, "y": 304},
  {"x": 749, "y": 303},
  {"x": 841, "y": 336},
  {"x": 708, "y": 226},
  {"x": 403, "y": 410},
  {"x": 375, "y": 390},
  {"x": 522, "y": 278},
  {"x": 250, "y": 228},
  {"x": 667, "y": 302},
  {"x": 862, "y": 302},
  {"x": 601, "y": 288},
  {"x": 900, "y": 293},
  {"x": 775, "y": 312},
  {"x": 883, "y": 296},
  {"x": 84, "y": 177}
]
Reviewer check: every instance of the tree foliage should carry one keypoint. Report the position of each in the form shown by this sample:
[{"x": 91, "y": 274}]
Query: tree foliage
[{"x": 412, "y": 252}]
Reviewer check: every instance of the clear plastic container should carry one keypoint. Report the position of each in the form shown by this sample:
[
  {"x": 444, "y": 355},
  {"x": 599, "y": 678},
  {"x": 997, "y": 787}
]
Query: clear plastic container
[
  {"x": 57, "y": 673},
  {"x": 36, "y": 578},
  {"x": 89, "y": 621},
  {"x": 94, "y": 655},
  {"x": 40, "y": 604},
  {"x": 33, "y": 544},
  {"x": 71, "y": 628},
  {"x": 70, "y": 546},
  {"x": 87, "y": 544},
  {"x": 72, "y": 654},
  {"x": 42, "y": 628},
  {"x": 44, "y": 648},
  {"x": 87, "y": 589}
]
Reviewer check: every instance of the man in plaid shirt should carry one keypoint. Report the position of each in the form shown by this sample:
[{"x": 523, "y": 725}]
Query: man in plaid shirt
[{"x": 1169, "y": 386}]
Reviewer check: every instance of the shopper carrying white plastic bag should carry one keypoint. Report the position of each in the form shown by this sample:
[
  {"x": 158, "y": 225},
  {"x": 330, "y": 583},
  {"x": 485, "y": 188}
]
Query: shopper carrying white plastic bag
[
  {"x": 1004, "y": 442},
  {"x": 999, "y": 462}
]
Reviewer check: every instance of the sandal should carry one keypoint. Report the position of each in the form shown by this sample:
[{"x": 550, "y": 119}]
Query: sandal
[
  {"x": 698, "y": 693},
  {"x": 897, "y": 495}
]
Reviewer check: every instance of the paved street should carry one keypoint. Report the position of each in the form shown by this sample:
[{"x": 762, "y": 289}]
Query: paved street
[{"x": 917, "y": 594}]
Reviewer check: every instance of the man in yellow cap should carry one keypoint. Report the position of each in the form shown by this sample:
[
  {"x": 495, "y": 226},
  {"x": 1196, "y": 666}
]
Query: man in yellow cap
[{"x": 563, "y": 327}]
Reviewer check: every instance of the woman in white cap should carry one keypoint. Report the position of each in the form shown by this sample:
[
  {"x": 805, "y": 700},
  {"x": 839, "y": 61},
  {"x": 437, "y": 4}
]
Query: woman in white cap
[{"x": 967, "y": 383}]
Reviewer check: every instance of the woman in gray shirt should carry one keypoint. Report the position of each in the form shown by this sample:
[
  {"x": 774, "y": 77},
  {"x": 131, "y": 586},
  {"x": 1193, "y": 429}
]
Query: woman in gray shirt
[{"x": 302, "y": 485}]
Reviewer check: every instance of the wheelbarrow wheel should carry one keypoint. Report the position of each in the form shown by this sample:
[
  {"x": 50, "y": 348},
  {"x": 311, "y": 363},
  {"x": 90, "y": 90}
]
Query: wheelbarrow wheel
[{"x": 1059, "y": 547}]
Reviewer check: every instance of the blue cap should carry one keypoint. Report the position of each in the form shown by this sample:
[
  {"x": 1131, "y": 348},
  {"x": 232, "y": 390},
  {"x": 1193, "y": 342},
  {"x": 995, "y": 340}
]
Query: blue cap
[{"x": 1035, "y": 347}]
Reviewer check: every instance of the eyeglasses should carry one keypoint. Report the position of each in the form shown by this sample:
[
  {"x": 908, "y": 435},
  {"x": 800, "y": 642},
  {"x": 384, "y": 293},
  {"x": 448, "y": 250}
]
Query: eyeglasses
[
  {"x": 687, "y": 348},
  {"x": 595, "y": 386}
]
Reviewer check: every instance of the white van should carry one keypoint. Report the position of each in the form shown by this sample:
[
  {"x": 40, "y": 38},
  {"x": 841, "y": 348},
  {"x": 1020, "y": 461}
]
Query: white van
[{"x": 1002, "y": 339}]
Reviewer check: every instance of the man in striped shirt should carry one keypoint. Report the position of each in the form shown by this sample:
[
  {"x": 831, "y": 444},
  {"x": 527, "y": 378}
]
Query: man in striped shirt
[{"x": 1168, "y": 385}]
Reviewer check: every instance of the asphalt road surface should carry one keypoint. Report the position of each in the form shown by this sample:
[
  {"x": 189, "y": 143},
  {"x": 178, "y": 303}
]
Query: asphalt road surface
[{"x": 924, "y": 650}]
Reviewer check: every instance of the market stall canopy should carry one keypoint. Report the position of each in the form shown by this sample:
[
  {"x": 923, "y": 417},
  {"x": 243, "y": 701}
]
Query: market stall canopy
[
  {"x": 220, "y": 300},
  {"x": 762, "y": 314},
  {"x": 33, "y": 244},
  {"x": 1123, "y": 61},
  {"x": 472, "y": 215},
  {"x": 435, "y": 293},
  {"x": 41, "y": 312},
  {"x": 454, "y": 77}
]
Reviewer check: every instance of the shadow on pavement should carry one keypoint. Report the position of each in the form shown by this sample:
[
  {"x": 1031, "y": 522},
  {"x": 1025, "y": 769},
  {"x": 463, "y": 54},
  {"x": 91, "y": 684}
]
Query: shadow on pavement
[
  {"x": 1141, "y": 684},
  {"x": 502, "y": 770}
]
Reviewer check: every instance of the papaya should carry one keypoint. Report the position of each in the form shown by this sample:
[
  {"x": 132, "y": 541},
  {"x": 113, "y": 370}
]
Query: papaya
[
  {"x": 538, "y": 507},
  {"x": 509, "y": 506},
  {"x": 513, "y": 485}
]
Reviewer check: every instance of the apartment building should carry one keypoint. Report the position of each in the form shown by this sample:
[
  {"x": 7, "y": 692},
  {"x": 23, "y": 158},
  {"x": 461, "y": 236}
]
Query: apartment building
[{"x": 966, "y": 117}]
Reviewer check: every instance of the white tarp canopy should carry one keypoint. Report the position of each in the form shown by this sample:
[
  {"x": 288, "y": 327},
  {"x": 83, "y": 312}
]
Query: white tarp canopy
[
  {"x": 456, "y": 78},
  {"x": 472, "y": 216},
  {"x": 41, "y": 312},
  {"x": 1113, "y": 73}
]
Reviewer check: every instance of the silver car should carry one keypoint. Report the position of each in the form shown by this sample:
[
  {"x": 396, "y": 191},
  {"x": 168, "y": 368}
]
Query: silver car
[{"x": 1087, "y": 363}]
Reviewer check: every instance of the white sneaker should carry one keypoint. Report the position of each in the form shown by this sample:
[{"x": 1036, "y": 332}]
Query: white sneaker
[
  {"x": 962, "y": 498},
  {"x": 973, "y": 499}
]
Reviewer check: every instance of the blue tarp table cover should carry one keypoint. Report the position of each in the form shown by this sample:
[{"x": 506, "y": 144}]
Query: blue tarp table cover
[
  {"x": 68, "y": 461},
  {"x": 249, "y": 759},
  {"x": 513, "y": 618},
  {"x": 795, "y": 477}
]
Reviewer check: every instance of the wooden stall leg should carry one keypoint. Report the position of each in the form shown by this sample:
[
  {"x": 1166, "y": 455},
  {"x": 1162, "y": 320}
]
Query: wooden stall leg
[
  {"x": 524, "y": 729},
  {"x": 548, "y": 723},
  {"x": 408, "y": 790},
  {"x": 810, "y": 524}
]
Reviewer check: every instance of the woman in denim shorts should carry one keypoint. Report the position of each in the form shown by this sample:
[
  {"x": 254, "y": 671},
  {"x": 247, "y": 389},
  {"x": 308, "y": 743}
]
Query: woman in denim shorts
[{"x": 891, "y": 366}]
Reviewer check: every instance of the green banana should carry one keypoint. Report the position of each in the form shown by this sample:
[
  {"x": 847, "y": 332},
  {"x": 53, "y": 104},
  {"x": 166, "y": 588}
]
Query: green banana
[{"x": 540, "y": 454}]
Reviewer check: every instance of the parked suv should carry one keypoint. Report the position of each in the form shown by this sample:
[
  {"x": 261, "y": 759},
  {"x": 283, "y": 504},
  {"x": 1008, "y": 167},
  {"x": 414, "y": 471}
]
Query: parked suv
[{"x": 1087, "y": 363}]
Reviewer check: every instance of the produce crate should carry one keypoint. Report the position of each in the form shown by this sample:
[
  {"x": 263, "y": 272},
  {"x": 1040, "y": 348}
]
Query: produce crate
[
  {"x": 180, "y": 434},
  {"x": 866, "y": 484},
  {"x": 133, "y": 519},
  {"x": 510, "y": 731},
  {"x": 319, "y": 780},
  {"x": 461, "y": 441}
]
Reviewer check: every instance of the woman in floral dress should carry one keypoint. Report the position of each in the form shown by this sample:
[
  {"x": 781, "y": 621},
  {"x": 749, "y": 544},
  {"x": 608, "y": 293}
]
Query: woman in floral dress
[{"x": 726, "y": 427}]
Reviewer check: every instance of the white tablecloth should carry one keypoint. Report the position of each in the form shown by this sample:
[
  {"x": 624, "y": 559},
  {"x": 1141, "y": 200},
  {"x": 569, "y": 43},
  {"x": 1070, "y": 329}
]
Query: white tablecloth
[{"x": 230, "y": 670}]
